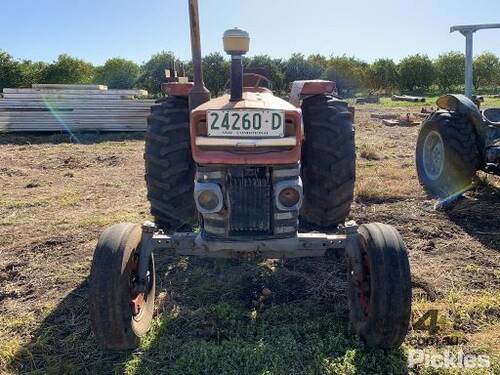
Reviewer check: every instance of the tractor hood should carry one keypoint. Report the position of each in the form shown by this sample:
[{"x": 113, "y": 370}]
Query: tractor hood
[
  {"x": 251, "y": 100},
  {"x": 208, "y": 150}
]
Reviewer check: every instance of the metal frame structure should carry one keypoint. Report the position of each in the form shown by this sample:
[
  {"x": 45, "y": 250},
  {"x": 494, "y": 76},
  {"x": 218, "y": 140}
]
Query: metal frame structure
[
  {"x": 193, "y": 244},
  {"x": 468, "y": 32}
]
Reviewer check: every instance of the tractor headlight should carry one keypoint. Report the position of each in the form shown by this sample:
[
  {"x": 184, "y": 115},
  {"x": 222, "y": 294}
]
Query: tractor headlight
[
  {"x": 288, "y": 194},
  {"x": 289, "y": 197},
  {"x": 208, "y": 197}
]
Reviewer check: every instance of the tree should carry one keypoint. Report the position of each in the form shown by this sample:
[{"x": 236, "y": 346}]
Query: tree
[
  {"x": 32, "y": 72},
  {"x": 383, "y": 74},
  {"x": 297, "y": 67},
  {"x": 153, "y": 71},
  {"x": 10, "y": 71},
  {"x": 69, "y": 70},
  {"x": 118, "y": 73},
  {"x": 449, "y": 70},
  {"x": 348, "y": 73},
  {"x": 416, "y": 73},
  {"x": 216, "y": 72},
  {"x": 319, "y": 61},
  {"x": 274, "y": 67},
  {"x": 486, "y": 68}
]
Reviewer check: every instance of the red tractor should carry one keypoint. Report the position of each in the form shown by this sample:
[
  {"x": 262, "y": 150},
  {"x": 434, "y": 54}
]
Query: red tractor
[{"x": 249, "y": 170}]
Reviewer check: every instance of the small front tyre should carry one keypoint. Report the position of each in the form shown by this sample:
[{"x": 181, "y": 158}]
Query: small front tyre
[
  {"x": 379, "y": 290},
  {"x": 119, "y": 316}
]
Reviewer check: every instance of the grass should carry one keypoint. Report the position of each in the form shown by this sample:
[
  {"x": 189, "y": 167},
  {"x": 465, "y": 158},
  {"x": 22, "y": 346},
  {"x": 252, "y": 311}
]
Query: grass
[
  {"x": 67, "y": 199},
  {"x": 459, "y": 312},
  {"x": 217, "y": 317},
  {"x": 377, "y": 183},
  {"x": 472, "y": 268},
  {"x": 8, "y": 350},
  {"x": 430, "y": 101},
  {"x": 389, "y": 103},
  {"x": 490, "y": 102},
  {"x": 23, "y": 203},
  {"x": 371, "y": 190},
  {"x": 478, "y": 314},
  {"x": 370, "y": 151},
  {"x": 283, "y": 341},
  {"x": 211, "y": 324},
  {"x": 103, "y": 220}
]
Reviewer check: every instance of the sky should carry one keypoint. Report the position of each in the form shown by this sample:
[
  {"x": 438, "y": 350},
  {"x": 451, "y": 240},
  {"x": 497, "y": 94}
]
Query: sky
[{"x": 96, "y": 30}]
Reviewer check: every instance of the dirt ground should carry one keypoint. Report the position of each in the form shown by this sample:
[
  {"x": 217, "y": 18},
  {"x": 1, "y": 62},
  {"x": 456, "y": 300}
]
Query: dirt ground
[{"x": 57, "y": 194}]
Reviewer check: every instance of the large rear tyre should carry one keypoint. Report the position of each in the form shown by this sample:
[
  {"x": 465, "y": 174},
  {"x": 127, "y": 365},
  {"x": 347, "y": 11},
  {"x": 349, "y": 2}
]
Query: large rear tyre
[
  {"x": 329, "y": 161},
  {"x": 115, "y": 323},
  {"x": 447, "y": 156},
  {"x": 169, "y": 165},
  {"x": 379, "y": 289}
]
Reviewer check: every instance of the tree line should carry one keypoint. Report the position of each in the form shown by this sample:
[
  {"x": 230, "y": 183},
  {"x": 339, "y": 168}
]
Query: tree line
[{"x": 415, "y": 74}]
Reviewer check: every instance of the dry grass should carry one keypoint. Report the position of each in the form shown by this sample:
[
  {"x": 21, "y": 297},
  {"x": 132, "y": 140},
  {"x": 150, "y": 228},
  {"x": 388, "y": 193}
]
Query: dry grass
[
  {"x": 370, "y": 151},
  {"x": 213, "y": 316}
]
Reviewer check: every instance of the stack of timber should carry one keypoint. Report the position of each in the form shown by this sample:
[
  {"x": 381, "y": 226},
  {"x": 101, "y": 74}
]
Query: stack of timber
[{"x": 73, "y": 108}]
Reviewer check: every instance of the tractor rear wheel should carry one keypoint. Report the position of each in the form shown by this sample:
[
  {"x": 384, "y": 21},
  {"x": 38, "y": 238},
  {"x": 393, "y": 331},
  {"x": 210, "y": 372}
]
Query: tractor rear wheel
[
  {"x": 118, "y": 314},
  {"x": 379, "y": 287},
  {"x": 328, "y": 162},
  {"x": 447, "y": 156},
  {"x": 169, "y": 164}
]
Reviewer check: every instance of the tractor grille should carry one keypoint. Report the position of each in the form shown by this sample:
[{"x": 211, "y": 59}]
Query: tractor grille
[{"x": 249, "y": 193}]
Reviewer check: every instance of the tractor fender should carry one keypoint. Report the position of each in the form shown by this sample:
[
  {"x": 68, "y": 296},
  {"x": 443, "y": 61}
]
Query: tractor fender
[
  {"x": 462, "y": 105},
  {"x": 181, "y": 89},
  {"x": 303, "y": 89}
]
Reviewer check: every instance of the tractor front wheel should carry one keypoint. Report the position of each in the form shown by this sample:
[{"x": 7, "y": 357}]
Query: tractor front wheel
[
  {"x": 379, "y": 290},
  {"x": 120, "y": 314}
]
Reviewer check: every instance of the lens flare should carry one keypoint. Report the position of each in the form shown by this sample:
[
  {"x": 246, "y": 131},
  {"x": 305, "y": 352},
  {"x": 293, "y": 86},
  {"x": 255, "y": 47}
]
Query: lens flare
[{"x": 54, "y": 112}]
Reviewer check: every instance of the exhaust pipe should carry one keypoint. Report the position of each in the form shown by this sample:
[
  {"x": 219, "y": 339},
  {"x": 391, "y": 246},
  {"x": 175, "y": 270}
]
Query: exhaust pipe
[
  {"x": 199, "y": 94},
  {"x": 236, "y": 44}
]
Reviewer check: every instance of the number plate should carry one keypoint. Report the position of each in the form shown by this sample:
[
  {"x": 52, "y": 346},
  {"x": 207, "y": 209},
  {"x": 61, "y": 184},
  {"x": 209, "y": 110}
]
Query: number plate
[{"x": 266, "y": 124}]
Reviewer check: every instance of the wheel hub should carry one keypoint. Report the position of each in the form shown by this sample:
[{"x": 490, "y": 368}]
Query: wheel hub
[
  {"x": 138, "y": 290},
  {"x": 363, "y": 286},
  {"x": 433, "y": 155},
  {"x": 136, "y": 304},
  {"x": 360, "y": 279}
]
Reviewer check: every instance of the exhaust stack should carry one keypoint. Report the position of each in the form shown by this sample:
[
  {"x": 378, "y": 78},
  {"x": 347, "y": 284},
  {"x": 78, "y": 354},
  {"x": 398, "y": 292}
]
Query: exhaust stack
[
  {"x": 236, "y": 44},
  {"x": 199, "y": 94}
]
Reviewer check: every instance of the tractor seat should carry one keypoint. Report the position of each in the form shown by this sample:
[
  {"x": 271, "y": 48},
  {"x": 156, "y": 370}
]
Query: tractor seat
[{"x": 492, "y": 116}]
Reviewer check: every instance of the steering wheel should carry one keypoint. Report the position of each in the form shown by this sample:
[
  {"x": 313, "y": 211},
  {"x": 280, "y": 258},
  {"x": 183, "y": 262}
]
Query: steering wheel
[{"x": 253, "y": 80}]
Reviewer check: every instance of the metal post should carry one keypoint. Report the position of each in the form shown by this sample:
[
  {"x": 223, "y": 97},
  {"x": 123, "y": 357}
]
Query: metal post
[
  {"x": 469, "y": 36},
  {"x": 468, "y": 31},
  {"x": 199, "y": 94}
]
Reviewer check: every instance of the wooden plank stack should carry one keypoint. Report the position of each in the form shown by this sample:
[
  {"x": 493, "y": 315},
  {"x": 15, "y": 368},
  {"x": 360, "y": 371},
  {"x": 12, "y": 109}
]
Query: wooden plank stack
[{"x": 73, "y": 108}]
